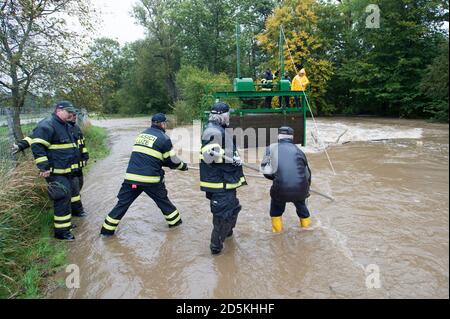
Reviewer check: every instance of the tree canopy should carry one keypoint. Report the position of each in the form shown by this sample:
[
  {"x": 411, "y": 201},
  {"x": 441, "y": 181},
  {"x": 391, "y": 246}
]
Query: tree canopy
[{"x": 377, "y": 57}]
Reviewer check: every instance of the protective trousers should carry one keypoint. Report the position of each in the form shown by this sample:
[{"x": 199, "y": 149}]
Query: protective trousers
[
  {"x": 76, "y": 204},
  {"x": 60, "y": 191},
  {"x": 225, "y": 208},
  {"x": 277, "y": 208},
  {"x": 128, "y": 194}
]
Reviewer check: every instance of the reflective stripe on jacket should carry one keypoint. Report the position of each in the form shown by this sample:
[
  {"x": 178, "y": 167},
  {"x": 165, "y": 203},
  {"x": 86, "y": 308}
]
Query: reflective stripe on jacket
[
  {"x": 54, "y": 147},
  {"x": 216, "y": 175},
  {"x": 83, "y": 153},
  {"x": 152, "y": 151}
]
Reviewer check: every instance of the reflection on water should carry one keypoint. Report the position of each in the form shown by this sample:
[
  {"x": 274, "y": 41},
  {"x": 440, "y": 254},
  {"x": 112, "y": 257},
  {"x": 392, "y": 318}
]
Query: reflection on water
[{"x": 391, "y": 210}]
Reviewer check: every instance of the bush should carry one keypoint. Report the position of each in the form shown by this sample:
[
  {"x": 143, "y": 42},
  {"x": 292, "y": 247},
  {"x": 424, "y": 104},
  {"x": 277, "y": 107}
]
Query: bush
[
  {"x": 28, "y": 253},
  {"x": 25, "y": 242},
  {"x": 183, "y": 113},
  {"x": 196, "y": 87},
  {"x": 96, "y": 142}
]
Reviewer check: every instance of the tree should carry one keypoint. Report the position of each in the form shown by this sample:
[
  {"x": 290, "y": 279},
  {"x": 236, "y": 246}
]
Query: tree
[
  {"x": 143, "y": 87},
  {"x": 83, "y": 84},
  {"x": 380, "y": 69},
  {"x": 206, "y": 32},
  {"x": 154, "y": 16},
  {"x": 299, "y": 22},
  {"x": 33, "y": 39},
  {"x": 105, "y": 55},
  {"x": 434, "y": 85}
]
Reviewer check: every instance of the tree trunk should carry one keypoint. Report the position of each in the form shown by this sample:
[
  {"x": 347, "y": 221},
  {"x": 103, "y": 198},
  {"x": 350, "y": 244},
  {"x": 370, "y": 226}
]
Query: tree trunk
[
  {"x": 11, "y": 134},
  {"x": 14, "y": 128},
  {"x": 171, "y": 86}
]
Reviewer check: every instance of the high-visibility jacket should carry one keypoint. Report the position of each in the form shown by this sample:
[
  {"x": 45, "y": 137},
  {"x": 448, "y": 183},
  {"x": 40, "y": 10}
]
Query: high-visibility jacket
[
  {"x": 83, "y": 153},
  {"x": 289, "y": 170},
  {"x": 217, "y": 174},
  {"x": 54, "y": 147},
  {"x": 25, "y": 143},
  {"x": 299, "y": 83},
  {"x": 152, "y": 151}
]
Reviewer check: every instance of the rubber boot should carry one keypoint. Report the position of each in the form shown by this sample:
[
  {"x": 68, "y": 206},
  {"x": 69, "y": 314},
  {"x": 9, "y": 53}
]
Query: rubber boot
[
  {"x": 80, "y": 214},
  {"x": 305, "y": 222},
  {"x": 217, "y": 235},
  {"x": 277, "y": 224},
  {"x": 64, "y": 235},
  {"x": 233, "y": 221},
  {"x": 178, "y": 223},
  {"x": 106, "y": 232}
]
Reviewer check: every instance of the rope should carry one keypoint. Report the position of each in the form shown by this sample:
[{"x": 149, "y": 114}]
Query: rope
[
  {"x": 309, "y": 106},
  {"x": 260, "y": 176}
]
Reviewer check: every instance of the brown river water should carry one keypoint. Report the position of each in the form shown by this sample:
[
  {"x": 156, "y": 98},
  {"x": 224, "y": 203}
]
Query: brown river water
[{"x": 390, "y": 219}]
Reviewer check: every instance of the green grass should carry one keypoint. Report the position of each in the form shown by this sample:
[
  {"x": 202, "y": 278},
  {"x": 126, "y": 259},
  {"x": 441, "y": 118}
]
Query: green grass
[
  {"x": 97, "y": 144},
  {"x": 29, "y": 255},
  {"x": 26, "y": 129}
]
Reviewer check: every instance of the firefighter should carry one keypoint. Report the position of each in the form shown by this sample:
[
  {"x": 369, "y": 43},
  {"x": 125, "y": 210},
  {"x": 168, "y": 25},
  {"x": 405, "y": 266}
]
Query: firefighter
[
  {"x": 267, "y": 86},
  {"x": 80, "y": 163},
  {"x": 286, "y": 98},
  {"x": 219, "y": 177},
  {"x": 287, "y": 166},
  {"x": 152, "y": 150},
  {"x": 77, "y": 168},
  {"x": 55, "y": 151}
]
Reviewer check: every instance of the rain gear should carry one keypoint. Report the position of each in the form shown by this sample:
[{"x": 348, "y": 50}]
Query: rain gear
[{"x": 300, "y": 82}]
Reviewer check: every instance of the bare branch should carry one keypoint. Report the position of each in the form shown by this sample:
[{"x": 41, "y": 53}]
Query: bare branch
[{"x": 5, "y": 85}]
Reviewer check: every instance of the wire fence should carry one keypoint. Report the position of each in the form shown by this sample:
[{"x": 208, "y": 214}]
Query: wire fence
[{"x": 28, "y": 119}]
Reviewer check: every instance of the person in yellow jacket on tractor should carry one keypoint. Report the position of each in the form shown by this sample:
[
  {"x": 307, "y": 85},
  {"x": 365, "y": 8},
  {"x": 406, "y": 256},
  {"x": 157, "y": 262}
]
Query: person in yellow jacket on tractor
[{"x": 299, "y": 83}]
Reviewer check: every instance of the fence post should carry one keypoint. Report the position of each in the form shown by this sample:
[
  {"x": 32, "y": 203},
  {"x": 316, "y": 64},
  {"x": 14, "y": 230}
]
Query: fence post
[{"x": 11, "y": 138}]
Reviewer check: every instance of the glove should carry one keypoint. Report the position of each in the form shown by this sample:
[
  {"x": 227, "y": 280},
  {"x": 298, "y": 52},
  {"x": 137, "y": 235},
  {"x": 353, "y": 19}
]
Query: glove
[
  {"x": 237, "y": 161},
  {"x": 213, "y": 156},
  {"x": 184, "y": 167},
  {"x": 15, "y": 149}
]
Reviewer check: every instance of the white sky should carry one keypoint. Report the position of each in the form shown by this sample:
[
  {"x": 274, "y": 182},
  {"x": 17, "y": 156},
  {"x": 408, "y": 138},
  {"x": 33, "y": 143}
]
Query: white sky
[{"x": 116, "y": 21}]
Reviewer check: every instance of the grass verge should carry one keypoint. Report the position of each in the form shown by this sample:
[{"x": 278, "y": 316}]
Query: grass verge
[{"x": 29, "y": 255}]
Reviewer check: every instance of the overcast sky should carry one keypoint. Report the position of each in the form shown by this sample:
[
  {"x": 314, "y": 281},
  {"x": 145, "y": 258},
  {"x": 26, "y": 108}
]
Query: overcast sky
[{"x": 116, "y": 20}]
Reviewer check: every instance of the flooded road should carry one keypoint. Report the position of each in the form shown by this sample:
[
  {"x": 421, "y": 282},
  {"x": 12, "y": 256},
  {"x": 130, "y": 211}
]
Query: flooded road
[{"x": 390, "y": 221}]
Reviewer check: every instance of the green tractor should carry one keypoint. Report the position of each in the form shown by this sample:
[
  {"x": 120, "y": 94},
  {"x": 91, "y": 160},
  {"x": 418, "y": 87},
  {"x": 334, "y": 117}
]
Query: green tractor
[{"x": 264, "y": 121}]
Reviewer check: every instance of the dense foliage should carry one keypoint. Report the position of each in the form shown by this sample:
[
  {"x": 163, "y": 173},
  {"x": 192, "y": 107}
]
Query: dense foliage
[{"x": 377, "y": 57}]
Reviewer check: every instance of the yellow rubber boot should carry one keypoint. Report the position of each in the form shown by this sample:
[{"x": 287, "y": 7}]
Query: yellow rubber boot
[
  {"x": 305, "y": 222},
  {"x": 277, "y": 224}
]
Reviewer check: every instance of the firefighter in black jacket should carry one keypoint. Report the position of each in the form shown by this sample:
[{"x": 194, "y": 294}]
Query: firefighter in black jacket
[
  {"x": 81, "y": 162},
  {"x": 77, "y": 169},
  {"x": 287, "y": 166},
  {"x": 220, "y": 178},
  {"x": 152, "y": 150},
  {"x": 55, "y": 151}
]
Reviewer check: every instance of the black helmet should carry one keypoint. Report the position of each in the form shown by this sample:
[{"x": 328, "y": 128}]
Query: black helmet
[
  {"x": 159, "y": 118},
  {"x": 65, "y": 105},
  {"x": 220, "y": 108},
  {"x": 286, "y": 130}
]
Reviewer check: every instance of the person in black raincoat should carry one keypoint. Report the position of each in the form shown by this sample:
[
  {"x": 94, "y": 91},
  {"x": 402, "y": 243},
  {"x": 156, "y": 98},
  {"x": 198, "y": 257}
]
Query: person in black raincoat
[{"x": 287, "y": 166}]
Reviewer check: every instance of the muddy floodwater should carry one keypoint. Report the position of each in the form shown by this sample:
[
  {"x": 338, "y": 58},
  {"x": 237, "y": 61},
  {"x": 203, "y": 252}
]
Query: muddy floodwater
[{"x": 385, "y": 236}]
